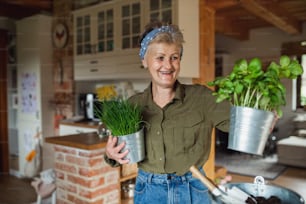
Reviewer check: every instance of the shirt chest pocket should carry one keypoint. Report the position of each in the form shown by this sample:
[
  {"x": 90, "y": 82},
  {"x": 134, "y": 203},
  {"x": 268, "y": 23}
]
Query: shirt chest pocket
[{"x": 185, "y": 132}]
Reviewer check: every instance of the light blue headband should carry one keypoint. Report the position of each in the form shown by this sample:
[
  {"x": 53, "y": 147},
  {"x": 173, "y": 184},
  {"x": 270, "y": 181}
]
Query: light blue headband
[{"x": 150, "y": 36}]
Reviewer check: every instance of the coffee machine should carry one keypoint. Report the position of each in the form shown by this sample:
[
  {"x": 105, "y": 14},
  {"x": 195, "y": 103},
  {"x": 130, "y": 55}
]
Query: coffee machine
[{"x": 86, "y": 105}]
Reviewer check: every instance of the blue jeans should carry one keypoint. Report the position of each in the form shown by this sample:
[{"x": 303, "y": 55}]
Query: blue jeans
[{"x": 169, "y": 189}]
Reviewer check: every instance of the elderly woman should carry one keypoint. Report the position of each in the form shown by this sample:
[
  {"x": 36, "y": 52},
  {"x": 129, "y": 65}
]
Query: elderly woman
[{"x": 179, "y": 121}]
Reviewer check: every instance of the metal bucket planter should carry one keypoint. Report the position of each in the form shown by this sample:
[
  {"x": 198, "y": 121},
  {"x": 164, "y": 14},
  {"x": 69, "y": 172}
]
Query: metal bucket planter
[
  {"x": 249, "y": 129},
  {"x": 135, "y": 144},
  {"x": 260, "y": 189}
]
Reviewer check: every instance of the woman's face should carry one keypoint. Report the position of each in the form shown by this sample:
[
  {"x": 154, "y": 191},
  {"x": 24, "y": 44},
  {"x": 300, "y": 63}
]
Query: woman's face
[{"x": 163, "y": 62}]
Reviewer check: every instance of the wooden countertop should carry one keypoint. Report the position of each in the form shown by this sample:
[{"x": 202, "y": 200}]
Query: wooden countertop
[{"x": 86, "y": 141}]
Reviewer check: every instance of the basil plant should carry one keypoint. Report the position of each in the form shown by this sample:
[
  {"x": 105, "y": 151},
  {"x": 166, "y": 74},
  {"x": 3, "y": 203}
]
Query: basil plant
[{"x": 251, "y": 85}]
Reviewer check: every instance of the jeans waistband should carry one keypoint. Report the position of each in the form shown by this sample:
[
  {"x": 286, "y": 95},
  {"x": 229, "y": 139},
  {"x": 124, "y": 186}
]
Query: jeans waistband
[{"x": 161, "y": 178}]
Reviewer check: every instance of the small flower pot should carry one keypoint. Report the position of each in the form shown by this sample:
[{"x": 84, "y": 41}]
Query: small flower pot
[
  {"x": 249, "y": 129},
  {"x": 135, "y": 144}
]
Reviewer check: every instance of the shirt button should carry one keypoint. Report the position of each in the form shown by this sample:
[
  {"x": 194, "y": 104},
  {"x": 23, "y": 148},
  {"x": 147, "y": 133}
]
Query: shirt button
[
  {"x": 160, "y": 159},
  {"x": 157, "y": 132}
]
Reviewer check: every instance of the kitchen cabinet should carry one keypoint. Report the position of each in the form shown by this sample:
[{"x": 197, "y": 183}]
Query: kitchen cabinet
[
  {"x": 102, "y": 46},
  {"x": 111, "y": 67},
  {"x": 107, "y": 34},
  {"x": 35, "y": 86}
]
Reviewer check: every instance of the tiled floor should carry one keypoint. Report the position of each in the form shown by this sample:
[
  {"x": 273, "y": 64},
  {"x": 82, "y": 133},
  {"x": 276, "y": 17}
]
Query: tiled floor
[{"x": 16, "y": 191}]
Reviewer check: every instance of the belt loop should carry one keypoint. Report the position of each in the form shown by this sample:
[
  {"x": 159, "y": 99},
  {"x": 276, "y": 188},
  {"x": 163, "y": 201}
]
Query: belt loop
[{"x": 150, "y": 178}]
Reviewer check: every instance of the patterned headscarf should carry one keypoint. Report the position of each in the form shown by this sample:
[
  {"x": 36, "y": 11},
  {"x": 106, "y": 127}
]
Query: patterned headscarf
[{"x": 150, "y": 36}]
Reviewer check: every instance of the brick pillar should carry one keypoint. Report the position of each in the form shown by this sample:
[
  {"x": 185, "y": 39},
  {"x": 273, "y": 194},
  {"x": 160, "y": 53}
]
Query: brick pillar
[
  {"x": 64, "y": 98},
  {"x": 83, "y": 177}
]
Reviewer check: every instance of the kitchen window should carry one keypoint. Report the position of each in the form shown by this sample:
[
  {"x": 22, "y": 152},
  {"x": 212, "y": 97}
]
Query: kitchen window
[
  {"x": 302, "y": 91},
  {"x": 297, "y": 50}
]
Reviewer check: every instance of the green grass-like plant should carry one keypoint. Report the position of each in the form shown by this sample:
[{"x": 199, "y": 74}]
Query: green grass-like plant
[
  {"x": 251, "y": 85},
  {"x": 120, "y": 116}
]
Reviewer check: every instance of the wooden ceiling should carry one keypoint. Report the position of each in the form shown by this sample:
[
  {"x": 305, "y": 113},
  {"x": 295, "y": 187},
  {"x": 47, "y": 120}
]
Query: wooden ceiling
[
  {"x": 17, "y": 9},
  {"x": 234, "y": 18}
]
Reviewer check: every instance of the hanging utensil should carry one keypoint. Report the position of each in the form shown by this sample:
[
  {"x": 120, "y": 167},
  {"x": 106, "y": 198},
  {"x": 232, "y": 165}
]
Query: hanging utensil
[{"x": 232, "y": 195}]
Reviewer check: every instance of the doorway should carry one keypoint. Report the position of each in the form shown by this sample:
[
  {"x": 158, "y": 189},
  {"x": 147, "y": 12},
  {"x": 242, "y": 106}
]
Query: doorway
[
  {"x": 9, "y": 163},
  {"x": 4, "y": 152},
  {"x": 12, "y": 94}
]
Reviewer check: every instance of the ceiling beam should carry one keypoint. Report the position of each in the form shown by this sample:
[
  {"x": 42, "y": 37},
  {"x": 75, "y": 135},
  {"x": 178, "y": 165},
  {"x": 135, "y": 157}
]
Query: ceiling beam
[
  {"x": 224, "y": 24},
  {"x": 273, "y": 14},
  {"x": 14, "y": 12},
  {"x": 221, "y": 4}
]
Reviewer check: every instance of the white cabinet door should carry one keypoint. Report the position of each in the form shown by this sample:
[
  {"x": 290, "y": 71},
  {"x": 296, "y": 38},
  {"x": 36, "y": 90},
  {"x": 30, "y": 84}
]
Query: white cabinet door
[
  {"x": 123, "y": 66},
  {"x": 72, "y": 129},
  {"x": 130, "y": 24},
  {"x": 94, "y": 31},
  {"x": 84, "y": 40}
]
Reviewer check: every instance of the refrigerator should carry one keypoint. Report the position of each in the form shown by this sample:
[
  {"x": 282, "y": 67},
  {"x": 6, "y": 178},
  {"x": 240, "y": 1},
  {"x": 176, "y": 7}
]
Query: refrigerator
[{"x": 35, "y": 90}]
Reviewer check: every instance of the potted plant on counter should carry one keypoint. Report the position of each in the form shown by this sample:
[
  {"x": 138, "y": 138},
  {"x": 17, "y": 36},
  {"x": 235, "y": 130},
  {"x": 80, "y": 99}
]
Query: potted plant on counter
[
  {"x": 124, "y": 120},
  {"x": 256, "y": 94}
]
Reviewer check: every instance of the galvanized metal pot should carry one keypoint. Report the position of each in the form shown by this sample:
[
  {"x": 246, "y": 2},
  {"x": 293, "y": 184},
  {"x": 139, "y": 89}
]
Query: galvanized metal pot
[
  {"x": 249, "y": 129},
  {"x": 135, "y": 144},
  {"x": 260, "y": 189}
]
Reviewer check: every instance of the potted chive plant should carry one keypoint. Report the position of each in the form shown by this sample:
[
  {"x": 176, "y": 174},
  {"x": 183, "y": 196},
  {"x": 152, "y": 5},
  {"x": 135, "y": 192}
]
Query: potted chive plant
[
  {"x": 256, "y": 94},
  {"x": 124, "y": 120}
]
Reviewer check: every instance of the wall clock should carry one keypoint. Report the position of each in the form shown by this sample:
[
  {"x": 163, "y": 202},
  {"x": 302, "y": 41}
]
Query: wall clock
[{"x": 60, "y": 35}]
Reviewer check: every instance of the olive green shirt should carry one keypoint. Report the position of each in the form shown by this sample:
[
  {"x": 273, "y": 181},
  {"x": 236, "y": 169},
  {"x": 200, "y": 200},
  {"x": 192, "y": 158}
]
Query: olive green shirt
[{"x": 179, "y": 134}]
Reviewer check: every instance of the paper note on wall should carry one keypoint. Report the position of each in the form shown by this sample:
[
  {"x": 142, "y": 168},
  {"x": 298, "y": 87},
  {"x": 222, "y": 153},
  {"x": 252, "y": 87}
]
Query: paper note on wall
[{"x": 29, "y": 93}]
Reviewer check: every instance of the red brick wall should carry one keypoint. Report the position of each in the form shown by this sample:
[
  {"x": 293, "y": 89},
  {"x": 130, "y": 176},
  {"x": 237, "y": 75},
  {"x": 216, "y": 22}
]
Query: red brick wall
[
  {"x": 63, "y": 89},
  {"x": 83, "y": 177}
]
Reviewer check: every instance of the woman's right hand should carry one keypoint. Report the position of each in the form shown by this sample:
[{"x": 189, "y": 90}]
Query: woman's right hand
[{"x": 113, "y": 150}]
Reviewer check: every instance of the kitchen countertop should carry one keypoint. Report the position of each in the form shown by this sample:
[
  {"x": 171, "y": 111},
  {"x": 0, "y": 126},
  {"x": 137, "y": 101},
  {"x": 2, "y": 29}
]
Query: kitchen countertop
[{"x": 86, "y": 141}]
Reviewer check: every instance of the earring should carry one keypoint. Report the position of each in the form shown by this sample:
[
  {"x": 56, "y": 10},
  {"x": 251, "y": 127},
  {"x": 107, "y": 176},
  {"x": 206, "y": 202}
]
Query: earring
[{"x": 143, "y": 67}]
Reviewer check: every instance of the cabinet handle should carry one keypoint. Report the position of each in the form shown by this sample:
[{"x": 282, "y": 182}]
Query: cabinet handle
[
  {"x": 93, "y": 70},
  {"x": 94, "y": 62}
]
